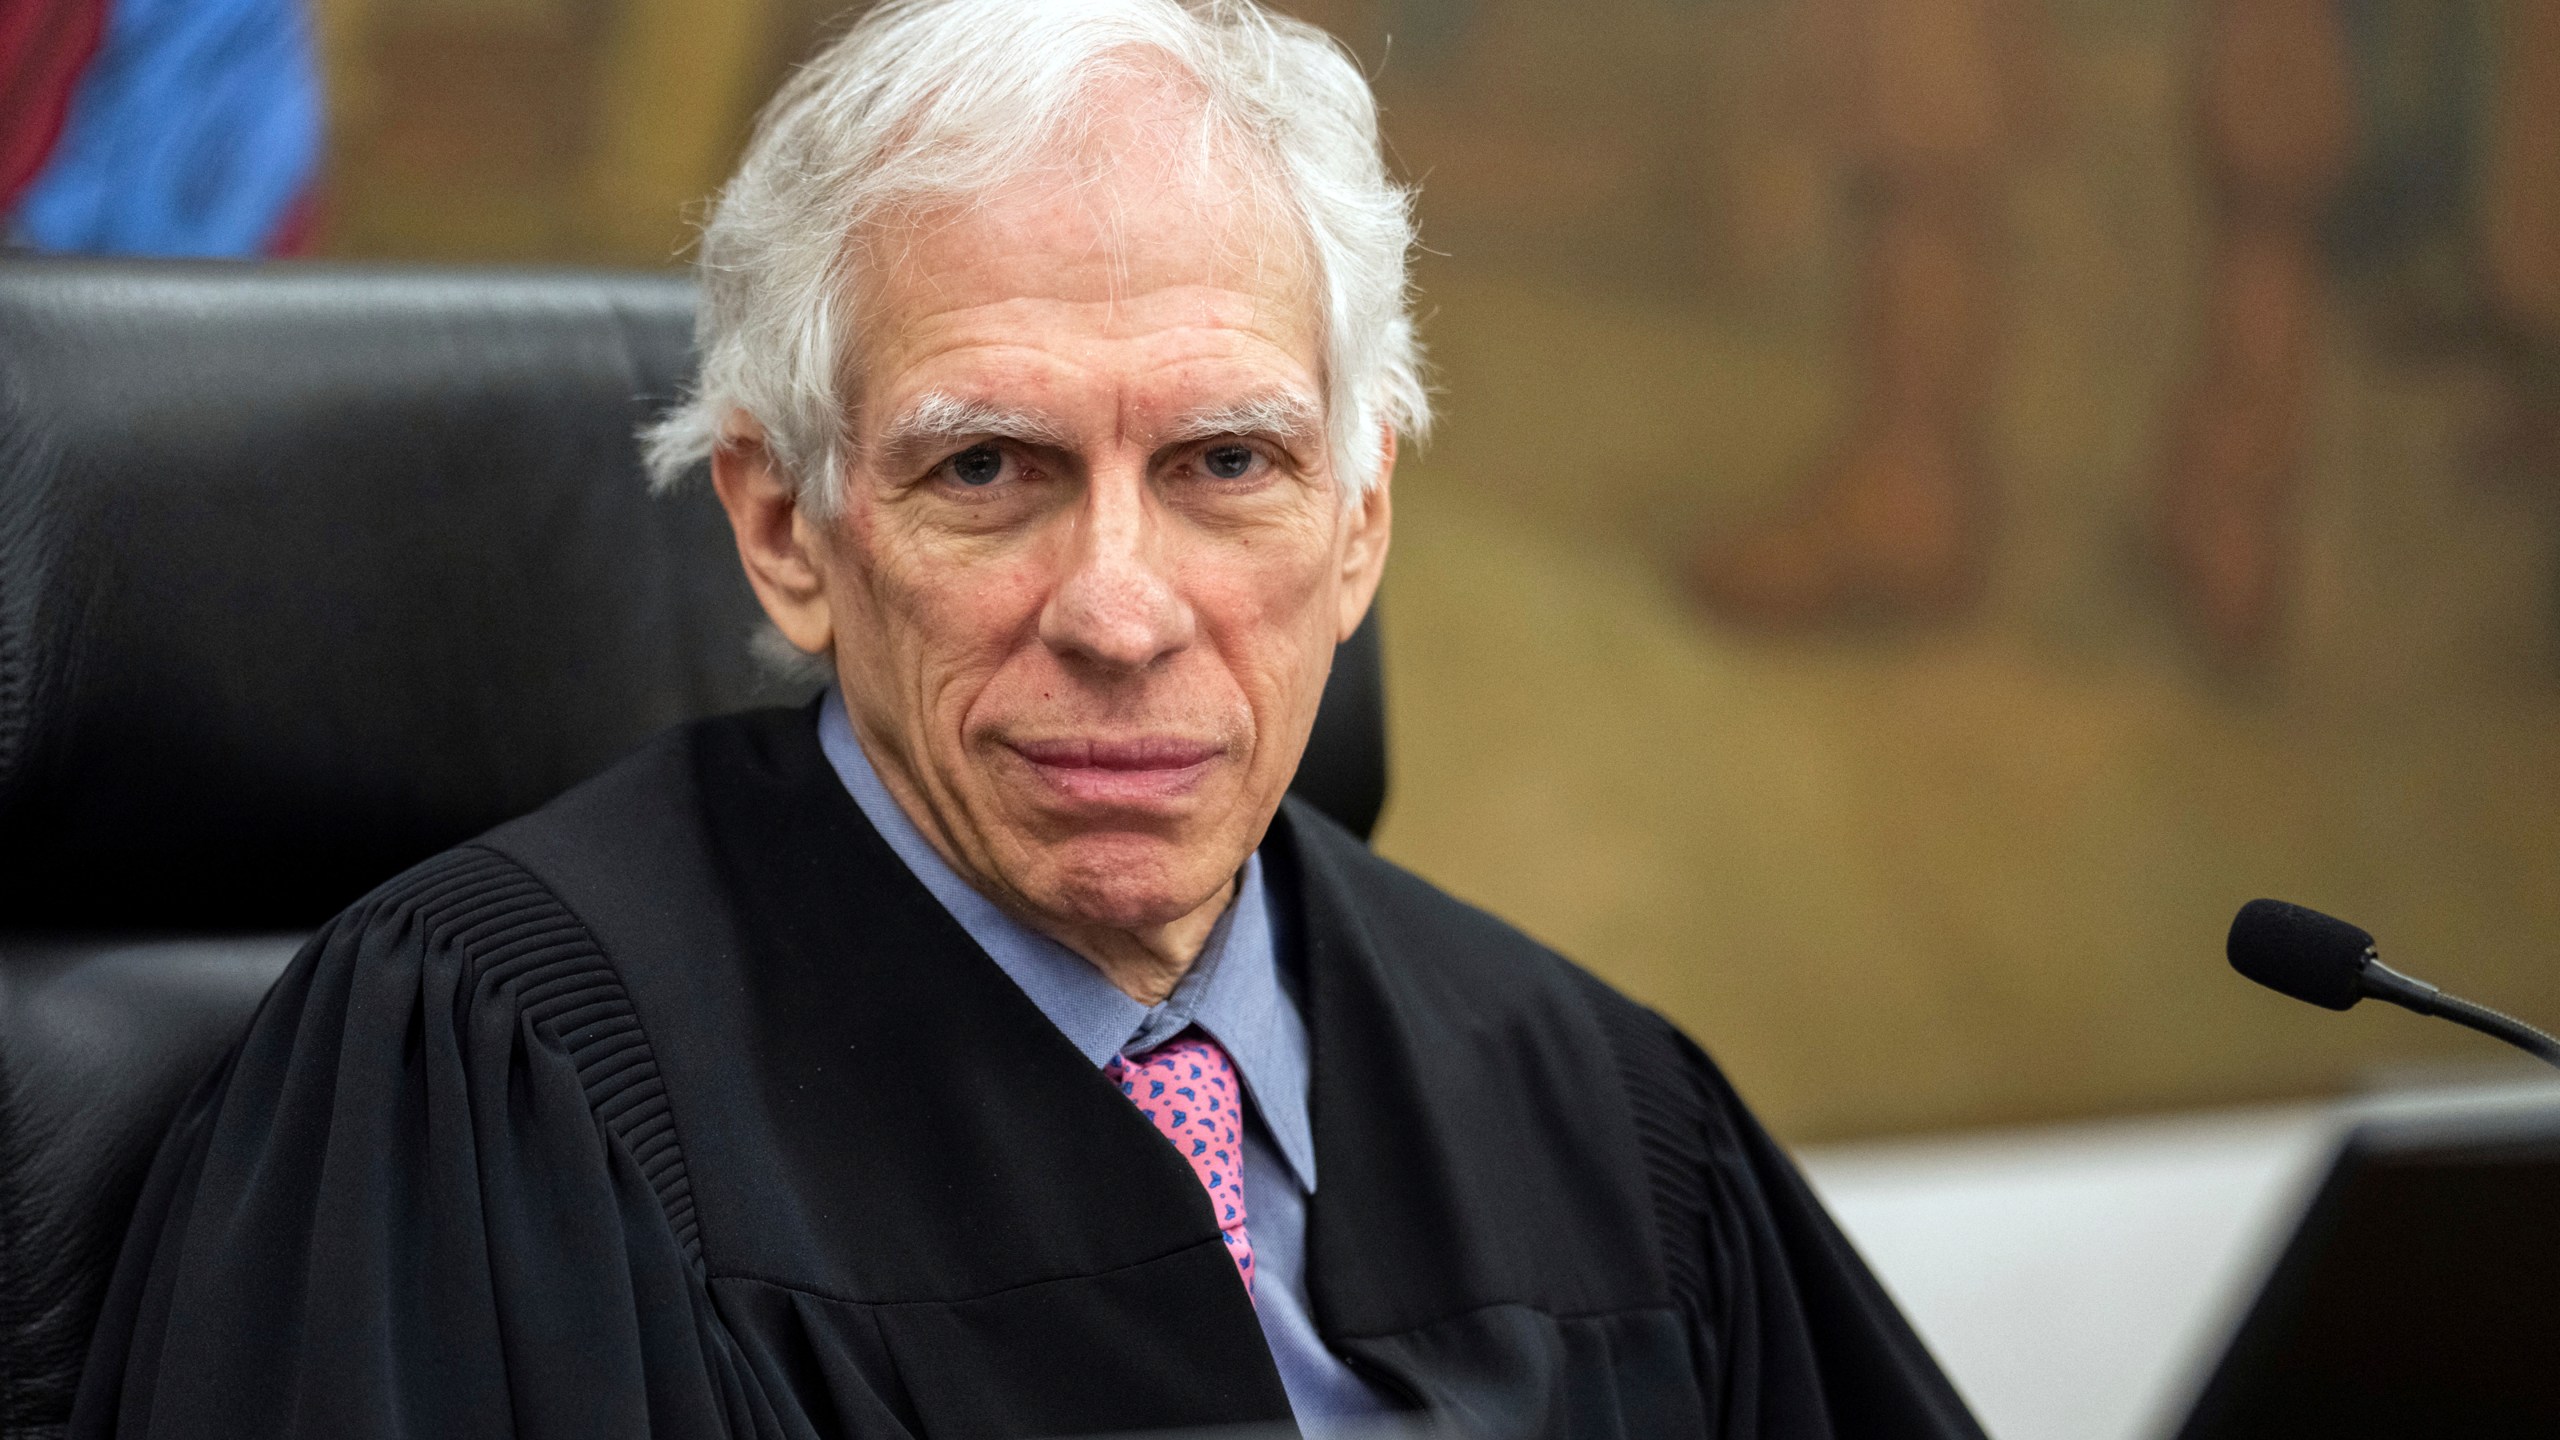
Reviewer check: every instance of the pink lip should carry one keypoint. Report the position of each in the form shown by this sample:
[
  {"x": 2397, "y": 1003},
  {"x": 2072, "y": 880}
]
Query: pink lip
[
  {"x": 1143, "y": 752},
  {"x": 1114, "y": 773}
]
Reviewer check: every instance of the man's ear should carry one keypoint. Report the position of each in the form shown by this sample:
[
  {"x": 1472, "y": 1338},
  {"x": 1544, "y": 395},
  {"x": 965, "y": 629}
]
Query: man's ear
[
  {"x": 1364, "y": 551},
  {"x": 776, "y": 542}
]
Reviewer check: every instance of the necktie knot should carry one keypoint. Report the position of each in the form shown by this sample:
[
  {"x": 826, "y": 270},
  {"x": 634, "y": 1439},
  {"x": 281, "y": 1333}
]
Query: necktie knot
[{"x": 1187, "y": 1089}]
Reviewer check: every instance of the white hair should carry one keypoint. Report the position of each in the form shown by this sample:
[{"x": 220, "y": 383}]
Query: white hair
[{"x": 926, "y": 102}]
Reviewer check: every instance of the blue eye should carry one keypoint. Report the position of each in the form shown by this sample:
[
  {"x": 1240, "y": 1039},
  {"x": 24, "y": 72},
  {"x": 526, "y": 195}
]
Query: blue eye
[
  {"x": 1227, "y": 462},
  {"x": 977, "y": 465}
]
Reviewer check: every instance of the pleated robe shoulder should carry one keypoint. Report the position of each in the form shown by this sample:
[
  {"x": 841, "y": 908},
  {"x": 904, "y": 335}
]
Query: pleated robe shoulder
[{"x": 680, "y": 1109}]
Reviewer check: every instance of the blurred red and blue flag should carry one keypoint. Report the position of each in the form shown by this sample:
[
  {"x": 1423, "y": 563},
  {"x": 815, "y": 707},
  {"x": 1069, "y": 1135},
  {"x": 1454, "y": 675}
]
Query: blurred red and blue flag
[{"x": 158, "y": 127}]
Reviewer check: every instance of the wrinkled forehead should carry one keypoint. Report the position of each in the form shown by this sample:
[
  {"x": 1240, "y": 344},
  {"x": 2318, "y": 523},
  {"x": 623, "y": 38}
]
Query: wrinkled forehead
[{"x": 1143, "y": 194}]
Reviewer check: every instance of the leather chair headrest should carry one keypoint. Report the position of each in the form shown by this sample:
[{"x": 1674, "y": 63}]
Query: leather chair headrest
[{"x": 308, "y": 571}]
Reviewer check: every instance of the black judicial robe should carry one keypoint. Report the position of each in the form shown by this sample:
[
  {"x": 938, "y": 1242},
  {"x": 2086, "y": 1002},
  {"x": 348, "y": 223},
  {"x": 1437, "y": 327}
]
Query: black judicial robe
[{"x": 681, "y": 1109}]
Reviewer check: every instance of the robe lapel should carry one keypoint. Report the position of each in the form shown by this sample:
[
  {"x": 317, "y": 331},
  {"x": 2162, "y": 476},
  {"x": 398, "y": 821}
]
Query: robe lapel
[{"x": 1481, "y": 1235}]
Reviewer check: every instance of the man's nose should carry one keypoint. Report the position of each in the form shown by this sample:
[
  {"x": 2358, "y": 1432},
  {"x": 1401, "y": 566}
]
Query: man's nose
[{"x": 1116, "y": 605}]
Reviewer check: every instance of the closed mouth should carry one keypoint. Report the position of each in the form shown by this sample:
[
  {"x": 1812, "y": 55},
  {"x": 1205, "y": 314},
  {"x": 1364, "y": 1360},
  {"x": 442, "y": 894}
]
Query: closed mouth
[
  {"x": 1142, "y": 772},
  {"x": 1136, "y": 753}
]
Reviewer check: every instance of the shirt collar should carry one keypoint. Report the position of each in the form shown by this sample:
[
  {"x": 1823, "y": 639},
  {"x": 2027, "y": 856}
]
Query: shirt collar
[{"x": 1232, "y": 991}]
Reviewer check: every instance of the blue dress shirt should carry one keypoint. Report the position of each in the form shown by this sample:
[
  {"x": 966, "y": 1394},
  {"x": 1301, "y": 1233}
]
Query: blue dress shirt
[{"x": 1232, "y": 992}]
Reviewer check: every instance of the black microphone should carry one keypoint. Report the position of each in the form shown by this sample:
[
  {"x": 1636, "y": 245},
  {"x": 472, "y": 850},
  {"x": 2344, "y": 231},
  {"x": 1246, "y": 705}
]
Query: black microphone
[{"x": 2330, "y": 963}]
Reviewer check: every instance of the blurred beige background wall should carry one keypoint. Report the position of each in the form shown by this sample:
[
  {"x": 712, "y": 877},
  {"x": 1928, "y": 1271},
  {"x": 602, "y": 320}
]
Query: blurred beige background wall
[{"x": 1937, "y": 500}]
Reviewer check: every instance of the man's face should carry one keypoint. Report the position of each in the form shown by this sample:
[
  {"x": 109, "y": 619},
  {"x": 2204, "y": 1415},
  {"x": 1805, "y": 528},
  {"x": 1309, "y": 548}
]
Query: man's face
[{"x": 1092, "y": 561}]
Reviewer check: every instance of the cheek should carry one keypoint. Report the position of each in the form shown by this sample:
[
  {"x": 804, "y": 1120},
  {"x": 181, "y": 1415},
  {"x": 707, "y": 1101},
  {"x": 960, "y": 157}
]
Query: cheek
[
  {"x": 932, "y": 628},
  {"x": 1267, "y": 609}
]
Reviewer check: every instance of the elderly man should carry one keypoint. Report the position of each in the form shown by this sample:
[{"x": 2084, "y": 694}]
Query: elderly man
[{"x": 988, "y": 1049}]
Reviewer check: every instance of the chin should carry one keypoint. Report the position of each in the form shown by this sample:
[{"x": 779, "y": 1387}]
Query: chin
[{"x": 1127, "y": 882}]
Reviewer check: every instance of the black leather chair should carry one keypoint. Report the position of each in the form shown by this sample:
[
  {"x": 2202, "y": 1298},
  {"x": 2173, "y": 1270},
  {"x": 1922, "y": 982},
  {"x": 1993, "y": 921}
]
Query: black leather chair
[{"x": 307, "y": 572}]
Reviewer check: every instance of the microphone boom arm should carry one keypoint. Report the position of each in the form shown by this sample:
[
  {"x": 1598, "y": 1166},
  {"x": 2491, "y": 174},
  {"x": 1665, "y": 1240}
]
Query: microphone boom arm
[{"x": 2410, "y": 993}]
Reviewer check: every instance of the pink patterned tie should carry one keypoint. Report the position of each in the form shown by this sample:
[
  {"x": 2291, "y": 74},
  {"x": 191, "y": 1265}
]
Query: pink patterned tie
[{"x": 1187, "y": 1088}]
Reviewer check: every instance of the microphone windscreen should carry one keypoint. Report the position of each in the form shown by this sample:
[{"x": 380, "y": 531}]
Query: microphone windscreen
[{"x": 2303, "y": 953}]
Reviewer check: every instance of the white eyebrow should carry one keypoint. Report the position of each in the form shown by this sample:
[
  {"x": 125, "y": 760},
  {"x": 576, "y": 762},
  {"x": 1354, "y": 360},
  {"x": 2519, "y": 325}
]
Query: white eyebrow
[
  {"x": 937, "y": 420},
  {"x": 1281, "y": 415}
]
